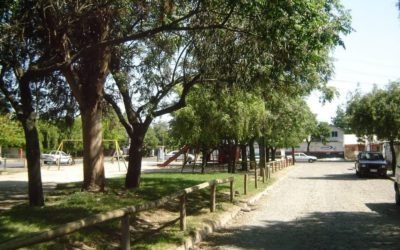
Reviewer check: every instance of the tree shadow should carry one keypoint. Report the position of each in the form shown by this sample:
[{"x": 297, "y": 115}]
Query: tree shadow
[
  {"x": 335, "y": 230},
  {"x": 343, "y": 177}
]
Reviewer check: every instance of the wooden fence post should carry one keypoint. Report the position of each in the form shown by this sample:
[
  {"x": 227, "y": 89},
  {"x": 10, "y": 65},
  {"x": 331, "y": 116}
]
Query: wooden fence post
[
  {"x": 231, "y": 189},
  {"x": 212, "y": 197},
  {"x": 182, "y": 218},
  {"x": 125, "y": 235},
  {"x": 245, "y": 184}
]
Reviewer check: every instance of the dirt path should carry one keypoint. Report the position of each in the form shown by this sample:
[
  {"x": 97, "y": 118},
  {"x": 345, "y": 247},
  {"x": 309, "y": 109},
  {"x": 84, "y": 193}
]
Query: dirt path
[{"x": 317, "y": 206}]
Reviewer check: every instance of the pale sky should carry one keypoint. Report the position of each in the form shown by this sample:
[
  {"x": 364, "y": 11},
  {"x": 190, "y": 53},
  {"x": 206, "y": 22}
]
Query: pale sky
[{"x": 372, "y": 54}]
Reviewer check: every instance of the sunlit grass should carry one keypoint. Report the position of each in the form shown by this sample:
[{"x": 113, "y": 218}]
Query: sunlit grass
[{"x": 67, "y": 203}]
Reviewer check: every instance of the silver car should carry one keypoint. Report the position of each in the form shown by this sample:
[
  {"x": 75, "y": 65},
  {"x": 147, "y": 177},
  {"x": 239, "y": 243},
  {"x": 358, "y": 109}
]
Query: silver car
[{"x": 55, "y": 157}]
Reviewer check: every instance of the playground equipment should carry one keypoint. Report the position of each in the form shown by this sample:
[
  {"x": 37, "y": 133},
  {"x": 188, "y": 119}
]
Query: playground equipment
[
  {"x": 184, "y": 149},
  {"x": 117, "y": 153}
]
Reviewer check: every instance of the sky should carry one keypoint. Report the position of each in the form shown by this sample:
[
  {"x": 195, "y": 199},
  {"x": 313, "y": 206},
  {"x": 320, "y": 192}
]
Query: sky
[{"x": 371, "y": 56}]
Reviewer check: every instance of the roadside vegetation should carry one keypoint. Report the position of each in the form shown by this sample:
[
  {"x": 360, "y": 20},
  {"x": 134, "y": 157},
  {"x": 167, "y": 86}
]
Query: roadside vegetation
[{"x": 66, "y": 203}]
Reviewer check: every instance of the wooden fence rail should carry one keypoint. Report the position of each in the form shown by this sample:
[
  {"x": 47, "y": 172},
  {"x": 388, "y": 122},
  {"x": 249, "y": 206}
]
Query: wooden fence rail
[{"x": 123, "y": 214}]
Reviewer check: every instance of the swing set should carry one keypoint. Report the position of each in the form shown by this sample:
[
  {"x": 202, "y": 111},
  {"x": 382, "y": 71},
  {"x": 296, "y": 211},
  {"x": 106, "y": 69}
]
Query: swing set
[{"x": 117, "y": 154}]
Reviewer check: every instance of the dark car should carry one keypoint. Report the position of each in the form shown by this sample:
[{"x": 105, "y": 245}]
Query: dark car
[{"x": 370, "y": 163}]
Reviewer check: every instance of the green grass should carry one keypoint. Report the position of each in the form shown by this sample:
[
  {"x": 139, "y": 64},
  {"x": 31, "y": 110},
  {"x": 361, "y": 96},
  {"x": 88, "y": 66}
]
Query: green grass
[{"x": 67, "y": 203}]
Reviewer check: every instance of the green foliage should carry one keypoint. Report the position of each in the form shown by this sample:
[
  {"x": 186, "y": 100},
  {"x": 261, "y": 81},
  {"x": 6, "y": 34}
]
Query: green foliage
[
  {"x": 376, "y": 113},
  {"x": 291, "y": 120},
  {"x": 151, "y": 140},
  {"x": 323, "y": 132},
  {"x": 11, "y": 132},
  {"x": 216, "y": 114},
  {"x": 342, "y": 120},
  {"x": 68, "y": 203}
]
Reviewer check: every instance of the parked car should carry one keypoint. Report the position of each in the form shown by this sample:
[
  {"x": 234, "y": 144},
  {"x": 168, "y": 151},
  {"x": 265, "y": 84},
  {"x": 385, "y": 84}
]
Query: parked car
[
  {"x": 190, "y": 157},
  {"x": 303, "y": 157},
  {"x": 397, "y": 185},
  {"x": 57, "y": 156},
  {"x": 370, "y": 163}
]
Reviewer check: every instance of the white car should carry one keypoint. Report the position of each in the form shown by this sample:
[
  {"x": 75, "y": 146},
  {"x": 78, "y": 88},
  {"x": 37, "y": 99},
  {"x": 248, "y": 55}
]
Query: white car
[
  {"x": 190, "y": 157},
  {"x": 57, "y": 156},
  {"x": 303, "y": 157}
]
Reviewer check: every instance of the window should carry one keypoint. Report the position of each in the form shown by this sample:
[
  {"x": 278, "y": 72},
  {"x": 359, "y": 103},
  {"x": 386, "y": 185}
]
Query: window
[{"x": 334, "y": 134}]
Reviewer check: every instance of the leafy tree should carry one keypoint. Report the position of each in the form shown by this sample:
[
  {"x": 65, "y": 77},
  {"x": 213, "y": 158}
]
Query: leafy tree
[
  {"x": 321, "y": 132},
  {"x": 341, "y": 120},
  {"x": 151, "y": 140},
  {"x": 220, "y": 115},
  {"x": 377, "y": 113},
  {"x": 239, "y": 51},
  {"x": 12, "y": 134}
]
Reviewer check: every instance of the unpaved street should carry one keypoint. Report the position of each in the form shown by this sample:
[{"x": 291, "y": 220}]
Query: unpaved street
[{"x": 317, "y": 206}]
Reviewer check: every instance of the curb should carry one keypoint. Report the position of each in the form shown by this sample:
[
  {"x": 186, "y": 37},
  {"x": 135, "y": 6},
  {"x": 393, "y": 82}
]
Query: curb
[{"x": 209, "y": 226}]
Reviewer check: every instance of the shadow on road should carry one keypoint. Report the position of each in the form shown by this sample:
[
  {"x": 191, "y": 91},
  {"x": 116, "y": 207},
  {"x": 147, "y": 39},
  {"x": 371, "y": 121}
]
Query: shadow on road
[
  {"x": 342, "y": 177},
  {"x": 339, "y": 230}
]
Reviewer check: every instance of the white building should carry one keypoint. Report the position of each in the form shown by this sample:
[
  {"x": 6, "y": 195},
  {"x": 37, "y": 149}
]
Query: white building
[{"x": 334, "y": 147}]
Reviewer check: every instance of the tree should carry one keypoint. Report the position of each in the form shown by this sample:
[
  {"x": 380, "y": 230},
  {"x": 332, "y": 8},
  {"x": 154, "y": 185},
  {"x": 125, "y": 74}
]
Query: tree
[
  {"x": 377, "y": 113},
  {"x": 320, "y": 133},
  {"x": 222, "y": 117},
  {"x": 341, "y": 120}
]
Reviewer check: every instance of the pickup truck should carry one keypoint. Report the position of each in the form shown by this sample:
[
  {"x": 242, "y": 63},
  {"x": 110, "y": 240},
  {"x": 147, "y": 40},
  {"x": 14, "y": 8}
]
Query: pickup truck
[{"x": 57, "y": 156}]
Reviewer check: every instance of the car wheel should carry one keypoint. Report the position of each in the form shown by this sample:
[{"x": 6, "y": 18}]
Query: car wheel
[
  {"x": 357, "y": 173},
  {"x": 310, "y": 160},
  {"x": 69, "y": 161},
  {"x": 397, "y": 196}
]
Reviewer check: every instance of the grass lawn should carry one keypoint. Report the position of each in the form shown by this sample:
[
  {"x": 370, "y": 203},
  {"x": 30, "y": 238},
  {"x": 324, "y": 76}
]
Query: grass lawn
[{"x": 67, "y": 203}]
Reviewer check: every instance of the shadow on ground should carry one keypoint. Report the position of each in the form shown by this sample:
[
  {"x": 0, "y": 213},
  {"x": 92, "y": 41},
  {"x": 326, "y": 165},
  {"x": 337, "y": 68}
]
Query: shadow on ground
[
  {"x": 379, "y": 229},
  {"x": 343, "y": 177}
]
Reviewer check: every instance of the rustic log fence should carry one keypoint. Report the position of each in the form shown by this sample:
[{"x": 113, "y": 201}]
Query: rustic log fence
[
  {"x": 265, "y": 173},
  {"x": 122, "y": 214}
]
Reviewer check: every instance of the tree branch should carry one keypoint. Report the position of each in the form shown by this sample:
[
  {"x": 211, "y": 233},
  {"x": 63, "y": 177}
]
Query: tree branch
[{"x": 118, "y": 111}]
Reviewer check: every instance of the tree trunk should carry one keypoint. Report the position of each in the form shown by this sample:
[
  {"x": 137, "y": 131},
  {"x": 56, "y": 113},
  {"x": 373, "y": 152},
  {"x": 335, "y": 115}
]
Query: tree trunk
[
  {"x": 28, "y": 121},
  {"x": 393, "y": 152},
  {"x": 293, "y": 159},
  {"x": 204, "y": 152},
  {"x": 35, "y": 188},
  {"x": 93, "y": 158},
  {"x": 132, "y": 179},
  {"x": 244, "y": 157},
  {"x": 267, "y": 150},
  {"x": 252, "y": 153},
  {"x": 261, "y": 145},
  {"x": 308, "y": 145},
  {"x": 273, "y": 153}
]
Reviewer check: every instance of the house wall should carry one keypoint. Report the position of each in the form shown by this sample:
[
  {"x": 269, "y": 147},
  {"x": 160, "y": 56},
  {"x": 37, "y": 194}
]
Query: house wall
[{"x": 333, "y": 148}]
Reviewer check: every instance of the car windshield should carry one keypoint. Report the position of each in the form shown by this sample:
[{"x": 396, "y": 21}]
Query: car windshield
[{"x": 371, "y": 156}]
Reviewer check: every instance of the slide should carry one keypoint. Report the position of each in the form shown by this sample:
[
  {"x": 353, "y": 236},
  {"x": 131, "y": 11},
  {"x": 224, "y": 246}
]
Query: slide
[{"x": 171, "y": 159}]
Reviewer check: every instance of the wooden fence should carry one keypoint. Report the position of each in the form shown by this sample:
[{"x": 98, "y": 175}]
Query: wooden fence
[{"x": 122, "y": 214}]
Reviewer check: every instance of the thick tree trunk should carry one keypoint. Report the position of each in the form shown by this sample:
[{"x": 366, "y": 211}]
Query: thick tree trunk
[
  {"x": 28, "y": 121},
  {"x": 252, "y": 154},
  {"x": 35, "y": 188},
  {"x": 308, "y": 146},
  {"x": 267, "y": 150},
  {"x": 244, "y": 157},
  {"x": 393, "y": 152},
  {"x": 93, "y": 158}
]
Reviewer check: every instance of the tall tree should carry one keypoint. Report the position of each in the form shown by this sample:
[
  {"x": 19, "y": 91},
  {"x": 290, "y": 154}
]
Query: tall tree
[{"x": 377, "y": 113}]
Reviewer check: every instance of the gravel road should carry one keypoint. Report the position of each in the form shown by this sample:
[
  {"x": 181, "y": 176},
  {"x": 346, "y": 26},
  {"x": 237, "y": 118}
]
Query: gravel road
[{"x": 317, "y": 206}]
